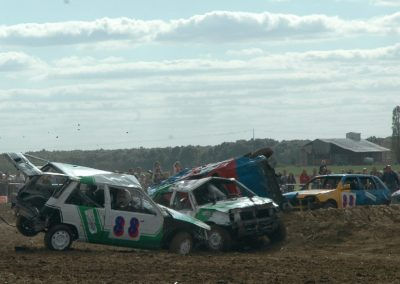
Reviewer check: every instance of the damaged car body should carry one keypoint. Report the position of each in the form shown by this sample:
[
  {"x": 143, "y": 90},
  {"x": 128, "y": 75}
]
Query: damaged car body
[
  {"x": 69, "y": 203},
  {"x": 339, "y": 191},
  {"x": 235, "y": 213},
  {"x": 252, "y": 170}
]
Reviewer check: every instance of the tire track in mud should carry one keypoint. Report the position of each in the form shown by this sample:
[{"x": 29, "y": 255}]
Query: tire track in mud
[{"x": 323, "y": 246}]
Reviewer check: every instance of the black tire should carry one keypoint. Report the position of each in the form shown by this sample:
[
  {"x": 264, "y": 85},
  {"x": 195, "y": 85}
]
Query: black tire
[
  {"x": 181, "y": 243},
  {"x": 279, "y": 235},
  {"x": 329, "y": 204},
  {"x": 58, "y": 238},
  {"x": 219, "y": 239},
  {"x": 26, "y": 227}
]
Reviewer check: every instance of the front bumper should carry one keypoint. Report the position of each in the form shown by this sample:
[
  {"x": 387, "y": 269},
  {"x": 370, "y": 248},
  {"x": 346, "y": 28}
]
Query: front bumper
[
  {"x": 253, "y": 221},
  {"x": 303, "y": 204}
]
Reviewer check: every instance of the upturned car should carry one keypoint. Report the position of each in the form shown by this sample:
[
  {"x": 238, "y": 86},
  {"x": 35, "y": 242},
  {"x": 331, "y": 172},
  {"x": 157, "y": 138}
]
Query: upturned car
[
  {"x": 69, "y": 202},
  {"x": 235, "y": 214},
  {"x": 339, "y": 191}
]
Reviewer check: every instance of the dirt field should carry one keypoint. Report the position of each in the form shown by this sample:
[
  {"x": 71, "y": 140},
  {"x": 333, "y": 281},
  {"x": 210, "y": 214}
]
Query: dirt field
[{"x": 325, "y": 246}]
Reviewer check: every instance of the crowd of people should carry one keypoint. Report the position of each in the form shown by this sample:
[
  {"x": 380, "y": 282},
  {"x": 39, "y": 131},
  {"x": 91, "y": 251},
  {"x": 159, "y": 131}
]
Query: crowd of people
[
  {"x": 288, "y": 181},
  {"x": 5, "y": 177},
  {"x": 156, "y": 175}
]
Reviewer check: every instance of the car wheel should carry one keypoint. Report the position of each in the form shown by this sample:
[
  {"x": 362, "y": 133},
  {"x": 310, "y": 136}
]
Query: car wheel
[
  {"x": 181, "y": 243},
  {"x": 279, "y": 234},
  {"x": 329, "y": 204},
  {"x": 58, "y": 238},
  {"x": 218, "y": 239},
  {"x": 26, "y": 226}
]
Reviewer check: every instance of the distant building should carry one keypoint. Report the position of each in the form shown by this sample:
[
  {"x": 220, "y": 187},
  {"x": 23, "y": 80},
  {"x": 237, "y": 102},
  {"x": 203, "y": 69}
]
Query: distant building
[{"x": 351, "y": 150}]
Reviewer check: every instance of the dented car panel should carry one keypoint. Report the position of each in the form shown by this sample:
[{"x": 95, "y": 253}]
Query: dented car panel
[
  {"x": 69, "y": 202},
  {"x": 233, "y": 207},
  {"x": 339, "y": 191}
]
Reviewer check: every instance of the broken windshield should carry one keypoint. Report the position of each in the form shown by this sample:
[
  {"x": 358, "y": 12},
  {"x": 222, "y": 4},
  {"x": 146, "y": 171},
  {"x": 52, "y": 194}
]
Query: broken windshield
[{"x": 217, "y": 190}]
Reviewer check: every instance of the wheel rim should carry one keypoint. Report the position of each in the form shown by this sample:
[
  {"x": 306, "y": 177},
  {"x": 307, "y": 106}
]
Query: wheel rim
[
  {"x": 215, "y": 240},
  {"x": 60, "y": 240},
  {"x": 185, "y": 246}
]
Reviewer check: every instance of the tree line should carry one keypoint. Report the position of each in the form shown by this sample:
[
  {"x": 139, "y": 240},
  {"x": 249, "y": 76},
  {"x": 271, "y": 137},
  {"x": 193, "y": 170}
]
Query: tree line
[{"x": 285, "y": 153}]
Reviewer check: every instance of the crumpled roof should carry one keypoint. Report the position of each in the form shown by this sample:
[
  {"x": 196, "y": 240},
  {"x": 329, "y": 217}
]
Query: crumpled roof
[
  {"x": 362, "y": 146},
  {"x": 98, "y": 176}
]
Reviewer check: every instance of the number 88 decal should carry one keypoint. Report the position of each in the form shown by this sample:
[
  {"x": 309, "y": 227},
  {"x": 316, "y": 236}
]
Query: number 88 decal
[{"x": 133, "y": 229}]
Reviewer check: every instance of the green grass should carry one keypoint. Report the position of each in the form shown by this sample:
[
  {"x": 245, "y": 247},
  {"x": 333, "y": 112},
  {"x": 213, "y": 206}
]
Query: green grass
[{"x": 296, "y": 170}]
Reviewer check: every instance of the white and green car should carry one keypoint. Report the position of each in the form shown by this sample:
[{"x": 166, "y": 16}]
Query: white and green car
[
  {"x": 233, "y": 211},
  {"x": 69, "y": 203}
]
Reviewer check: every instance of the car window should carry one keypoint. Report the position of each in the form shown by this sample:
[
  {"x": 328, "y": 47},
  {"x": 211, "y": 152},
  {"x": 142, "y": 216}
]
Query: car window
[
  {"x": 164, "y": 199},
  {"x": 325, "y": 182},
  {"x": 367, "y": 183},
  {"x": 131, "y": 200},
  {"x": 181, "y": 201},
  {"x": 353, "y": 182},
  {"x": 86, "y": 195},
  {"x": 209, "y": 193}
]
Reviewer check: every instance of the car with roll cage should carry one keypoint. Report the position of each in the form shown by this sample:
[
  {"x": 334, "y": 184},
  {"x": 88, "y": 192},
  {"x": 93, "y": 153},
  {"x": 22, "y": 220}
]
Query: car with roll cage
[
  {"x": 236, "y": 215},
  {"x": 339, "y": 191},
  {"x": 69, "y": 202}
]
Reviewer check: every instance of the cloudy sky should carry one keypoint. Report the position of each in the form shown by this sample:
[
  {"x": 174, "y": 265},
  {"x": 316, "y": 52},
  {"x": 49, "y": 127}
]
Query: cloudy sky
[{"x": 121, "y": 74}]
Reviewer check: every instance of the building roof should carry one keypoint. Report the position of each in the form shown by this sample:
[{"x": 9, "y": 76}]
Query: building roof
[{"x": 362, "y": 146}]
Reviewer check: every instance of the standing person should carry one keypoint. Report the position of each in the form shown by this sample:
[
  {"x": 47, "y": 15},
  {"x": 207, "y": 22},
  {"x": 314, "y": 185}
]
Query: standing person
[
  {"x": 157, "y": 173},
  {"x": 323, "y": 169},
  {"x": 284, "y": 181},
  {"x": 176, "y": 168},
  {"x": 291, "y": 180},
  {"x": 304, "y": 177},
  {"x": 391, "y": 179}
]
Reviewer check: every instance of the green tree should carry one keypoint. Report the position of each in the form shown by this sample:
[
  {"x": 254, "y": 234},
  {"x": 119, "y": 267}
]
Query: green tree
[{"x": 396, "y": 133}]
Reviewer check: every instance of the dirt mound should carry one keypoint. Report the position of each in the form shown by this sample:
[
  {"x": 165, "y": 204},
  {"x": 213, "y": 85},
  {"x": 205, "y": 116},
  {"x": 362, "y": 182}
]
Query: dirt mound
[
  {"x": 359, "y": 245},
  {"x": 333, "y": 226}
]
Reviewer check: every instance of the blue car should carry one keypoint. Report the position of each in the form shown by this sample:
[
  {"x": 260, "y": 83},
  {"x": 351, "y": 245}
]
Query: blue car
[{"x": 339, "y": 191}]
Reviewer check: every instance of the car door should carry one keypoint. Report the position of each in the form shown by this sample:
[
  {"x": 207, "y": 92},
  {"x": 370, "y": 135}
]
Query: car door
[
  {"x": 372, "y": 194},
  {"x": 132, "y": 219},
  {"x": 85, "y": 209},
  {"x": 181, "y": 201},
  {"x": 349, "y": 195}
]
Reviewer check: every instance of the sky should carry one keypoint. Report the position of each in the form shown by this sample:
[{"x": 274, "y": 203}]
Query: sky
[{"x": 127, "y": 74}]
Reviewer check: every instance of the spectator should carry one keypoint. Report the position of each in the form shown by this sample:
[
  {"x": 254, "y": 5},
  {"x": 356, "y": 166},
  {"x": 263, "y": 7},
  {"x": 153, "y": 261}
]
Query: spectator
[
  {"x": 304, "y": 177},
  {"x": 176, "y": 168},
  {"x": 157, "y": 174},
  {"x": 291, "y": 180},
  {"x": 374, "y": 172},
  {"x": 364, "y": 171},
  {"x": 284, "y": 180},
  {"x": 390, "y": 178},
  {"x": 323, "y": 170}
]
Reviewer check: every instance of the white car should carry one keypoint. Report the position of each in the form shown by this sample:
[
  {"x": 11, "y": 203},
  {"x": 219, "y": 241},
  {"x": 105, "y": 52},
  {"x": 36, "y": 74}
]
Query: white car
[{"x": 70, "y": 202}]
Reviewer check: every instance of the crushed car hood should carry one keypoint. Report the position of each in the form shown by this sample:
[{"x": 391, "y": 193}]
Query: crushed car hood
[
  {"x": 241, "y": 202},
  {"x": 185, "y": 218}
]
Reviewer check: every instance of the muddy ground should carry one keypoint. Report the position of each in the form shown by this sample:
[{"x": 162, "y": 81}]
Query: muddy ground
[{"x": 360, "y": 245}]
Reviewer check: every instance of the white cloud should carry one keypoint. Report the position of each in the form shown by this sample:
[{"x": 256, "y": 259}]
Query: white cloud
[
  {"x": 18, "y": 61},
  {"x": 218, "y": 26},
  {"x": 246, "y": 52},
  {"x": 390, "y": 3}
]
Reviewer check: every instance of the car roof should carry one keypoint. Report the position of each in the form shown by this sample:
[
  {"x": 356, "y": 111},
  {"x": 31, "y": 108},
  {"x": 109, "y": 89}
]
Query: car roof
[
  {"x": 192, "y": 184},
  {"x": 94, "y": 176},
  {"x": 346, "y": 175}
]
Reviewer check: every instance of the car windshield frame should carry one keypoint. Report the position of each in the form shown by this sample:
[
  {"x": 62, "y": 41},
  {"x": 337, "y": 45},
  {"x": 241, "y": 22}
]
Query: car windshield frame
[
  {"x": 313, "y": 184},
  {"x": 220, "y": 193}
]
